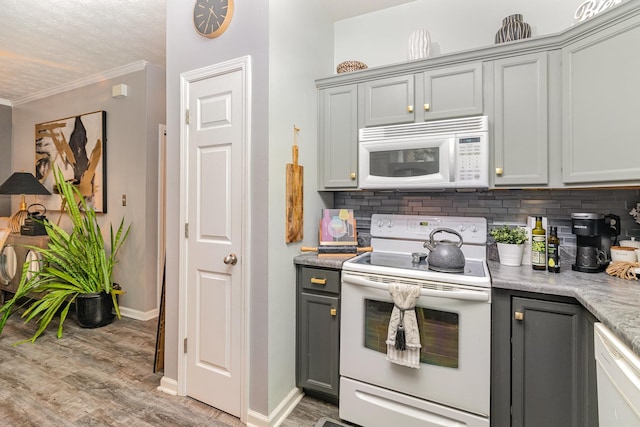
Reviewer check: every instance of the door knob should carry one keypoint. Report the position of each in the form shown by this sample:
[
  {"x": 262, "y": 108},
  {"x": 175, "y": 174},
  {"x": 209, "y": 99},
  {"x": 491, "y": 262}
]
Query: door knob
[
  {"x": 410, "y": 108},
  {"x": 518, "y": 315},
  {"x": 352, "y": 175},
  {"x": 427, "y": 107},
  {"x": 498, "y": 171},
  {"x": 334, "y": 312},
  {"x": 231, "y": 259}
]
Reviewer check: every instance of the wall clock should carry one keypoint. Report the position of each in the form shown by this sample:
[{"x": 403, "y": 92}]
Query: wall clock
[{"x": 212, "y": 17}]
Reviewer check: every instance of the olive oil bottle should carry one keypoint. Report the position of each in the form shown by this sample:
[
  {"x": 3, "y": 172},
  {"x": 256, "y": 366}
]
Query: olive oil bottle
[
  {"x": 538, "y": 246},
  {"x": 553, "y": 248}
]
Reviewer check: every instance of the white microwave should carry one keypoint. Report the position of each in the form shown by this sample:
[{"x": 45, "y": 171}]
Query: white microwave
[{"x": 439, "y": 154}]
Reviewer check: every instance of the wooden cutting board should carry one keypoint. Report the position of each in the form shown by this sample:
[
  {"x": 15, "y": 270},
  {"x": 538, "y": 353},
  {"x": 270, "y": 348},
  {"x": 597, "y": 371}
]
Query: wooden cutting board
[{"x": 295, "y": 175}]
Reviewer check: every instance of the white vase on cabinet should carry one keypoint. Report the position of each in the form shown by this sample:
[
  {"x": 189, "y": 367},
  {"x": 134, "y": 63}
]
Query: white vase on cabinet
[{"x": 419, "y": 44}]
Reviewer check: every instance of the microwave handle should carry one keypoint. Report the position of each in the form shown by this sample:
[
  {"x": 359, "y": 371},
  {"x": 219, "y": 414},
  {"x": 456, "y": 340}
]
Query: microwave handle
[
  {"x": 465, "y": 295},
  {"x": 452, "y": 160}
]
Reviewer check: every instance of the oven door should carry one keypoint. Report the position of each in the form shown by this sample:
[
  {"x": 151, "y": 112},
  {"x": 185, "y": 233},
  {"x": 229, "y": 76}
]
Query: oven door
[
  {"x": 455, "y": 334},
  {"x": 412, "y": 163}
]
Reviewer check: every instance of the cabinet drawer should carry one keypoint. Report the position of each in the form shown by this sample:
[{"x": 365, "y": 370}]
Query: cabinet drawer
[{"x": 320, "y": 279}]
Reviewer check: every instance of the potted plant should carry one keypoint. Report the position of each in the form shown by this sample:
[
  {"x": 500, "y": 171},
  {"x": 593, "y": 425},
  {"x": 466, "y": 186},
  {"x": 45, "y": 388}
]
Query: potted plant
[
  {"x": 76, "y": 268},
  {"x": 510, "y": 242}
]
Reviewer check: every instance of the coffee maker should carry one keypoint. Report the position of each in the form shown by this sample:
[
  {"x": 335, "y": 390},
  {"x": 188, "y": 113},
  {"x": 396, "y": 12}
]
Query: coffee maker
[{"x": 595, "y": 235}]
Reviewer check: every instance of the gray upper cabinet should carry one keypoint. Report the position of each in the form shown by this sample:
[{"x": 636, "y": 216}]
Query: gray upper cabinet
[
  {"x": 563, "y": 108},
  {"x": 601, "y": 89},
  {"x": 520, "y": 120},
  {"x": 452, "y": 92},
  {"x": 388, "y": 101},
  {"x": 338, "y": 129}
]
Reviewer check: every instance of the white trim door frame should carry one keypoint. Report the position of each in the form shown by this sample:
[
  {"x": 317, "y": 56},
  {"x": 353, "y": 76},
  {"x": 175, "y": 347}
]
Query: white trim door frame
[{"x": 242, "y": 65}]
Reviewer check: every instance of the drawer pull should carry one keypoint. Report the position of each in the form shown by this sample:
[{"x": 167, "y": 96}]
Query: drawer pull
[
  {"x": 317, "y": 281},
  {"x": 334, "y": 312},
  {"x": 518, "y": 315}
]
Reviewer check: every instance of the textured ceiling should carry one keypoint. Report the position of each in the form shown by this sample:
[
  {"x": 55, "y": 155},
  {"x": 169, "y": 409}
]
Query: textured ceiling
[{"x": 48, "y": 43}]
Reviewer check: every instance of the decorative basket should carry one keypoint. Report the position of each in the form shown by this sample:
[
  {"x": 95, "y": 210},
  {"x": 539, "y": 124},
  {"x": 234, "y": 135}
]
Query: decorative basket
[{"x": 347, "y": 66}]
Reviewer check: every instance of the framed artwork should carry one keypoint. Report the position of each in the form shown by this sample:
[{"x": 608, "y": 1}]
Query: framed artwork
[
  {"x": 338, "y": 227},
  {"x": 75, "y": 145}
]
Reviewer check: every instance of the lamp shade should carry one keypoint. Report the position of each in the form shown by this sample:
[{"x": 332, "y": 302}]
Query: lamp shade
[{"x": 22, "y": 183}]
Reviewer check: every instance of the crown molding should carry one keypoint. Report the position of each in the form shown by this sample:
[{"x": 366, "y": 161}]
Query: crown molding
[{"x": 96, "y": 78}]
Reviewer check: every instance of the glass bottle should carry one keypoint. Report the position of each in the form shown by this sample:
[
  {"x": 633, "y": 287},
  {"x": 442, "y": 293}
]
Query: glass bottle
[
  {"x": 553, "y": 251},
  {"x": 538, "y": 246}
]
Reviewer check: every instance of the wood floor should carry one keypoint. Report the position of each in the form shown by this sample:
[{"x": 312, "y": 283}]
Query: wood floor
[{"x": 103, "y": 377}]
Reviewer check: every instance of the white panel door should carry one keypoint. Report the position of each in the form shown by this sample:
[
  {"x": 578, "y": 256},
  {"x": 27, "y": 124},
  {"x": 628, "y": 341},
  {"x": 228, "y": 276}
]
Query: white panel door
[{"x": 217, "y": 130}]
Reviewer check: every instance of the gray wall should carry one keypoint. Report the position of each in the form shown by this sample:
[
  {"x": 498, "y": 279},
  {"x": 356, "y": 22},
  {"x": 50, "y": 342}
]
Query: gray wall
[
  {"x": 132, "y": 159},
  {"x": 186, "y": 50},
  {"x": 290, "y": 44},
  {"x": 5, "y": 156},
  {"x": 300, "y": 49}
]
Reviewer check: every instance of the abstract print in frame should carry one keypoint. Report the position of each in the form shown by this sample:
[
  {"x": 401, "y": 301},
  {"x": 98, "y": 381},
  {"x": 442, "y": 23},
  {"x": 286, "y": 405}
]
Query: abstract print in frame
[{"x": 76, "y": 145}]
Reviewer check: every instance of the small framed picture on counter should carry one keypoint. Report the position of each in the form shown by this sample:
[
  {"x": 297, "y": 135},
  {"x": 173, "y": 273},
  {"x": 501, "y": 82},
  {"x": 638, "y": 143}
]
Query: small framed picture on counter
[{"x": 338, "y": 227}]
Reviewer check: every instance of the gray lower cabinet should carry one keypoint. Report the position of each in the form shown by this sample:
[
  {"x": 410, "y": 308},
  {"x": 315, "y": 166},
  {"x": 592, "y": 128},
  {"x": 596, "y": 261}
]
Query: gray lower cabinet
[
  {"x": 318, "y": 331},
  {"x": 520, "y": 129},
  {"x": 338, "y": 136},
  {"x": 601, "y": 89},
  {"x": 543, "y": 366}
]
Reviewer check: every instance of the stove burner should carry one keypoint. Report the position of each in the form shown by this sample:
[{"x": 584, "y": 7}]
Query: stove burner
[
  {"x": 380, "y": 261},
  {"x": 446, "y": 270},
  {"x": 418, "y": 257}
]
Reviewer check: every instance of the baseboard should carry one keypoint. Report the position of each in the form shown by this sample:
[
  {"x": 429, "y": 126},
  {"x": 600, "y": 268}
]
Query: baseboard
[
  {"x": 139, "y": 315},
  {"x": 282, "y": 411},
  {"x": 168, "y": 386}
]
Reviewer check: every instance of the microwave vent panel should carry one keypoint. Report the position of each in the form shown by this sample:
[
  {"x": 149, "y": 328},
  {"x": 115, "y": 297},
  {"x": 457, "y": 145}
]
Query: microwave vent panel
[{"x": 434, "y": 128}]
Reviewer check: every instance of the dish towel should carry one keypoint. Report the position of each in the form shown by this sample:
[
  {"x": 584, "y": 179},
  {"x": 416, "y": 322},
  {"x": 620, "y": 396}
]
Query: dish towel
[{"x": 403, "y": 337}]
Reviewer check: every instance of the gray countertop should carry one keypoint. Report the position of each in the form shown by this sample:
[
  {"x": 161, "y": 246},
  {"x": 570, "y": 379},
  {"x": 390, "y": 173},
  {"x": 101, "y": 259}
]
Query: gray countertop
[
  {"x": 615, "y": 302},
  {"x": 313, "y": 260}
]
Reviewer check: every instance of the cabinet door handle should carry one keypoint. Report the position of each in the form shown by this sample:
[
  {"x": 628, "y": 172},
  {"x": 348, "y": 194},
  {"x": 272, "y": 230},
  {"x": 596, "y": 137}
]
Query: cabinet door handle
[
  {"x": 427, "y": 107},
  {"x": 334, "y": 312},
  {"x": 518, "y": 315},
  {"x": 353, "y": 175},
  {"x": 498, "y": 171},
  {"x": 410, "y": 108},
  {"x": 317, "y": 281}
]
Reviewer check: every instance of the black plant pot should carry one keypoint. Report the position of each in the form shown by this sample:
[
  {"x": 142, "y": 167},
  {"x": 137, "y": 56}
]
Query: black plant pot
[{"x": 94, "y": 310}]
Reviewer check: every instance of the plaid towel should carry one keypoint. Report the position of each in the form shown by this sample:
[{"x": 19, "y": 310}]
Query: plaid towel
[{"x": 403, "y": 337}]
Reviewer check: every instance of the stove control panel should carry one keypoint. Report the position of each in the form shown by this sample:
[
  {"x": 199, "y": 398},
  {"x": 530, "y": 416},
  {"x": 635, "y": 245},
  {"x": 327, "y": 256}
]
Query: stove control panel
[{"x": 417, "y": 227}]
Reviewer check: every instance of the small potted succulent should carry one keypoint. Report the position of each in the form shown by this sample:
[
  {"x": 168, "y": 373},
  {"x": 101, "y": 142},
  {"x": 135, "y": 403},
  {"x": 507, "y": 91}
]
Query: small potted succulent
[{"x": 510, "y": 242}]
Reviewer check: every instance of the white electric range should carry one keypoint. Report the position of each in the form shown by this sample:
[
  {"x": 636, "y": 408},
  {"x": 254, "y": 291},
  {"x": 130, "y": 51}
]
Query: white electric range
[{"x": 452, "y": 383}]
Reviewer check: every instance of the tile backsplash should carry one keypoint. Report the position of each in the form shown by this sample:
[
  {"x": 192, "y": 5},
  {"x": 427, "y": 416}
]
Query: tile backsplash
[{"x": 498, "y": 206}]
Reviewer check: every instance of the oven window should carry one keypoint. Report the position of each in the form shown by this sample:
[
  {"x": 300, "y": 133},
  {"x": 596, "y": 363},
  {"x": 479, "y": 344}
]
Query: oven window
[
  {"x": 400, "y": 163},
  {"x": 439, "y": 332}
]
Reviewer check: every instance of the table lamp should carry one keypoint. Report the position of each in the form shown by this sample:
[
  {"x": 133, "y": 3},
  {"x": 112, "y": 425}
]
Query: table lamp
[{"x": 21, "y": 183}]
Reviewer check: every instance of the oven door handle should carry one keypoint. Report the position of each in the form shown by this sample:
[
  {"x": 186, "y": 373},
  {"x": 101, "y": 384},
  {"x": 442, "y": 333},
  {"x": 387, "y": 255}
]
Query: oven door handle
[{"x": 461, "y": 294}]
